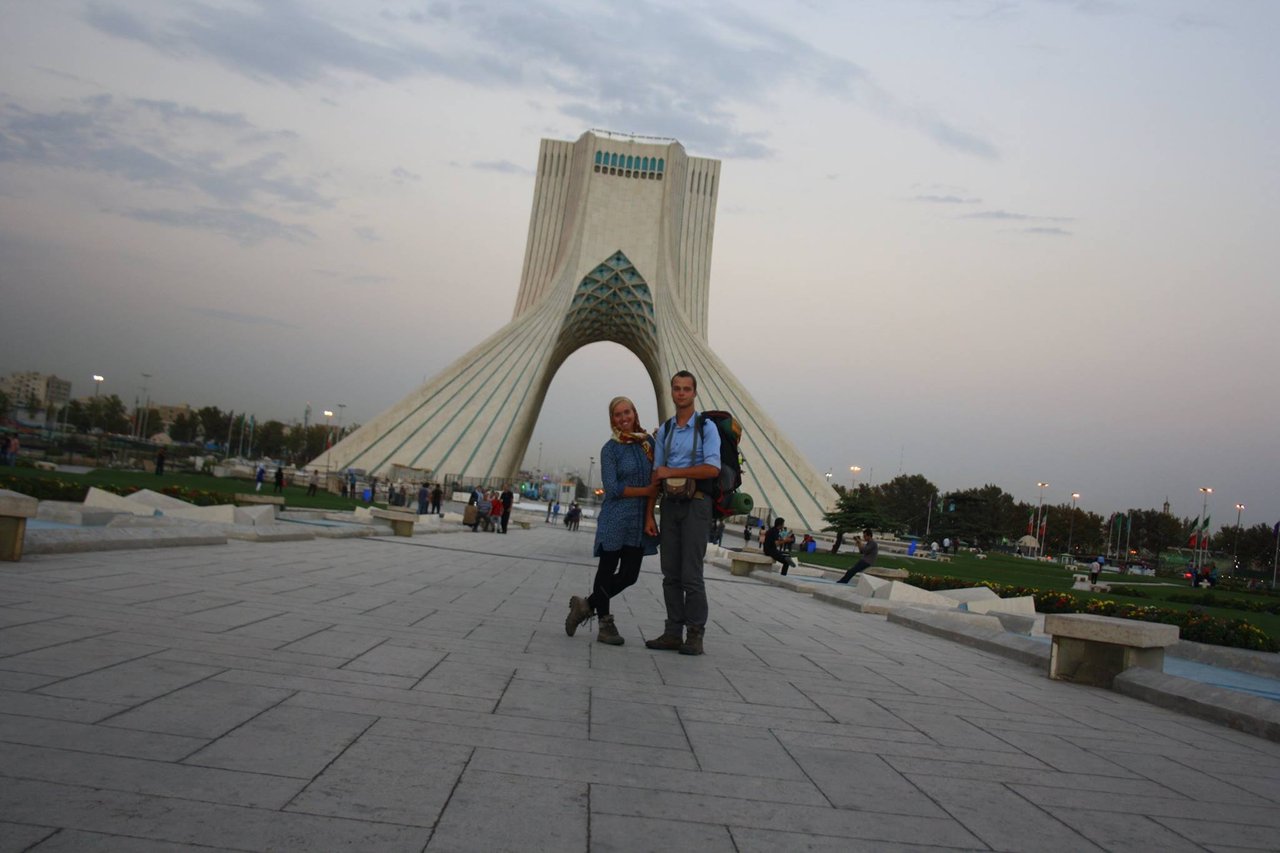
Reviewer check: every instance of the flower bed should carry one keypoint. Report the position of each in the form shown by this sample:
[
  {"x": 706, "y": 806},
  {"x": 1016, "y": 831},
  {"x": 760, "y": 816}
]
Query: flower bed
[{"x": 1194, "y": 624}]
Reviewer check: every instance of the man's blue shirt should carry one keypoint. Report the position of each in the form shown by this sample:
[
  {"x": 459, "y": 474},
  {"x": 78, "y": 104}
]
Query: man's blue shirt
[{"x": 681, "y": 441}]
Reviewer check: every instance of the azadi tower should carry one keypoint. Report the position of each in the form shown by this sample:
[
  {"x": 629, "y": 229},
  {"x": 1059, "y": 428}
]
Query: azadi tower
[{"x": 619, "y": 250}]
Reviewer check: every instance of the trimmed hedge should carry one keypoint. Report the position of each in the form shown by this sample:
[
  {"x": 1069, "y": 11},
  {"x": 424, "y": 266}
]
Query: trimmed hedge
[
  {"x": 54, "y": 489},
  {"x": 1194, "y": 624}
]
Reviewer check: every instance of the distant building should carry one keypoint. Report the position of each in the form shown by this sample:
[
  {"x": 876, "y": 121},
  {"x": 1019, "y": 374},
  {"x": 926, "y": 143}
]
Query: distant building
[
  {"x": 45, "y": 388},
  {"x": 168, "y": 414}
]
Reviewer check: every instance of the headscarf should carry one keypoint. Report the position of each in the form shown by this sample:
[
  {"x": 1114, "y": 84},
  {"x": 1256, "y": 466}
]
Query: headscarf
[{"x": 639, "y": 437}]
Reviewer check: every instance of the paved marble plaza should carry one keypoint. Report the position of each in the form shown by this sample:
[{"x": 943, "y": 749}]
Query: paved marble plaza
[{"x": 420, "y": 694}]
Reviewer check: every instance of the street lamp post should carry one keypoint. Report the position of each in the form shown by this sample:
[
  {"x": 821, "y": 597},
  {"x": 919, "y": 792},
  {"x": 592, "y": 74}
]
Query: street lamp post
[
  {"x": 591, "y": 465},
  {"x": 1204, "y": 521},
  {"x": 97, "y": 386},
  {"x": 1235, "y": 556},
  {"x": 853, "y": 476},
  {"x": 341, "y": 413},
  {"x": 1039, "y": 511},
  {"x": 1071, "y": 528},
  {"x": 328, "y": 441}
]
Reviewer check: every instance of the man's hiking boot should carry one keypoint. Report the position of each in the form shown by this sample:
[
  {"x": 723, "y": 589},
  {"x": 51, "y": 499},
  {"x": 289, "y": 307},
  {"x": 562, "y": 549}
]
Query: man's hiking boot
[
  {"x": 665, "y": 643},
  {"x": 693, "y": 642},
  {"x": 608, "y": 633},
  {"x": 579, "y": 612}
]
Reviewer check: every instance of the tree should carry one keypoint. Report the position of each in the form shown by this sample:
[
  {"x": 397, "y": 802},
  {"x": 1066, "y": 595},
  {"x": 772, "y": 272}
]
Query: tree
[
  {"x": 1155, "y": 531},
  {"x": 985, "y": 516},
  {"x": 150, "y": 423},
  {"x": 315, "y": 440},
  {"x": 32, "y": 405},
  {"x": 1255, "y": 545},
  {"x": 6, "y": 403},
  {"x": 269, "y": 438},
  {"x": 904, "y": 502},
  {"x": 184, "y": 427},
  {"x": 110, "y": 414},
  {"x": 856, "y": 509},
  {"x": 1074, "y": 526},
  {"x": 214, "y": 424}
]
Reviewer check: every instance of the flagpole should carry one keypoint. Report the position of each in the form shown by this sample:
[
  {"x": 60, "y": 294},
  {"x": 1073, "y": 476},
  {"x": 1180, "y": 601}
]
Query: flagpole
[
  {"x": 1204, "y": 514},
  {"x": 1275, "y": 556},
  {"x": 1128, "y": 535}
]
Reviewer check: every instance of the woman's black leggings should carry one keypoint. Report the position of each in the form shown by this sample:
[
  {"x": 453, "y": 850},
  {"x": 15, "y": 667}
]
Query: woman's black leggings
[{"x": 617, "y": 571}]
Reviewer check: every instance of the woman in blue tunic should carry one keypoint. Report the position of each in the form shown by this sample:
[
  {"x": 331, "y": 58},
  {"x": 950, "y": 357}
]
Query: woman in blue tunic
[{"x": 625, "y": 530}]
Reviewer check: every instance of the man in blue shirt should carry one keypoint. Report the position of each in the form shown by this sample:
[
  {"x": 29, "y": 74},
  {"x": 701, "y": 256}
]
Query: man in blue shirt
[{"x": 680, "y": 454}]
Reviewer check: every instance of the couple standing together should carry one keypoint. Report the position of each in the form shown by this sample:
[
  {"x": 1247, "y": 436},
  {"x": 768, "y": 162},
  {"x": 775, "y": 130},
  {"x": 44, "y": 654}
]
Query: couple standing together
[{"x": 634, "y": 466}]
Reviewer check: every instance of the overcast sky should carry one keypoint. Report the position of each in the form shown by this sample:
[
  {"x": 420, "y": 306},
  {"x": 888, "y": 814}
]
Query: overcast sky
[{"x": 980, "y": 240}]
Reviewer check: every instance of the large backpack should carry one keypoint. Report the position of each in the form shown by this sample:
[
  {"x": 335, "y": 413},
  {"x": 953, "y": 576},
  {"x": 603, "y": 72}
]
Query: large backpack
[{"x": 724, "y": 490}]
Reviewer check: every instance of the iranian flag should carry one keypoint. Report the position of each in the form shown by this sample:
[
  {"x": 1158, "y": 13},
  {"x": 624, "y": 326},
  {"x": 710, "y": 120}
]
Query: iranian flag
[
  {"x": 1204, "y": 532},
  {"x": 1195, "y": 533},
  {"x": 1044, "y": 523},
  {"x": 1031, "y": 522}
]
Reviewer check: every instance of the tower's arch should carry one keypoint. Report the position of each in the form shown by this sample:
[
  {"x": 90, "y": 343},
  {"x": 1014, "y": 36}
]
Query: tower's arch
[{"x": 619, "y": 250}]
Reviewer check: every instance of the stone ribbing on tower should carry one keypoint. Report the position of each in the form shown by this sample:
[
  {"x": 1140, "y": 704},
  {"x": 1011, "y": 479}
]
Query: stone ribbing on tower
[{"x": 619, "y": 249}]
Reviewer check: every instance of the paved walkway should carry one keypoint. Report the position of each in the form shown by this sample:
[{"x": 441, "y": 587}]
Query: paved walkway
[{"x": 395, "y": 694}]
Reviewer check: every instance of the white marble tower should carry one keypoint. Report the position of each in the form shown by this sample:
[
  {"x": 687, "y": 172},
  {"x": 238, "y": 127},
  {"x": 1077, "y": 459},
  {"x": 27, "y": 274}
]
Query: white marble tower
[{"x": 619, "y": 249}]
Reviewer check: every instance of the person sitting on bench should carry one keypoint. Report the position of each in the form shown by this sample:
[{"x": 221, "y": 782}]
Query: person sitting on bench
[{"x": 773, "y": 540}]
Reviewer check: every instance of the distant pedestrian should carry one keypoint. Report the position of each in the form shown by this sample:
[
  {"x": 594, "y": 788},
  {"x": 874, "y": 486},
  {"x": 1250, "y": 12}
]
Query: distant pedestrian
[
  {"x": 259, "y": 478},
  {"x": 869, "y": 550},
  {"x": 437, "y": 495},
  {"x": 313, "y": 482},
  {"x": 548, "y": 521},
  {"x": 746, "y": 535},
  {"x": 279, "y": 486},
  {"x": 508, "y": 499},
  {"x": 424, "y": 499},
  {"x": 160, "y": 462}
]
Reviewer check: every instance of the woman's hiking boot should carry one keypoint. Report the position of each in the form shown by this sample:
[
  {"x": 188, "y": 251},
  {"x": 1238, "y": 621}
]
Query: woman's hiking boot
[
  {"x": 579, "y": 612},
  {"x": 665, "y": 643},
  {"x": 608, "y": 633},
  {"x": 693, "y": 641}
]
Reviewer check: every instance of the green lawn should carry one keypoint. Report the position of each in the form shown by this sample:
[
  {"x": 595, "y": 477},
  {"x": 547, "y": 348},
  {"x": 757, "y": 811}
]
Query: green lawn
[
  {"x": 1015, "y": 571},
  {"x": 294, "y": 496}
]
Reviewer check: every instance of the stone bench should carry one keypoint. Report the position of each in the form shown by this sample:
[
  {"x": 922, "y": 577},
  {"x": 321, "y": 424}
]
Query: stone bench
[
  {"x": 1081, "y": 582},
  {"x": 743, "y": 562},
  {"x": 402, "y": 521},
  {"x": 253, "y": 498},
  {"x": 887, "y": 573},
  {"x": 15, "y": 509},
  {"x": 1089, "y": 649}
]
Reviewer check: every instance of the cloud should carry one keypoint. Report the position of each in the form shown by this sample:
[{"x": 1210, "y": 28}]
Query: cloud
[
  {"x": 1052, "y": 232},
  {"x": 1008, "y": 215},
  {"x": 369, "y": 235},
  {"x": 402, "y": 174},
  {"x": 645, "y": 67},
  {"x": 506, "y": 167},
  {"x": 946, "y": 199},
  {"x": 996, "y": 214},
  {"x": 246, "y": 319},
  {"x": 219, "y": 158},
  {"x": 244, "y": 227}
]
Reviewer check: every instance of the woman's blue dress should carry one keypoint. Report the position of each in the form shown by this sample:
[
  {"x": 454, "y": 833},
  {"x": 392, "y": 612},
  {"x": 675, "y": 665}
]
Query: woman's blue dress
[{"x": 621, "y": 520}]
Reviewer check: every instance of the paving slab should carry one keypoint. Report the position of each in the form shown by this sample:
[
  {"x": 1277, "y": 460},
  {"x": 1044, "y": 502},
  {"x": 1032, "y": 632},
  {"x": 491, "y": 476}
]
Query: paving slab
[{"x": 381, "y": 693}]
